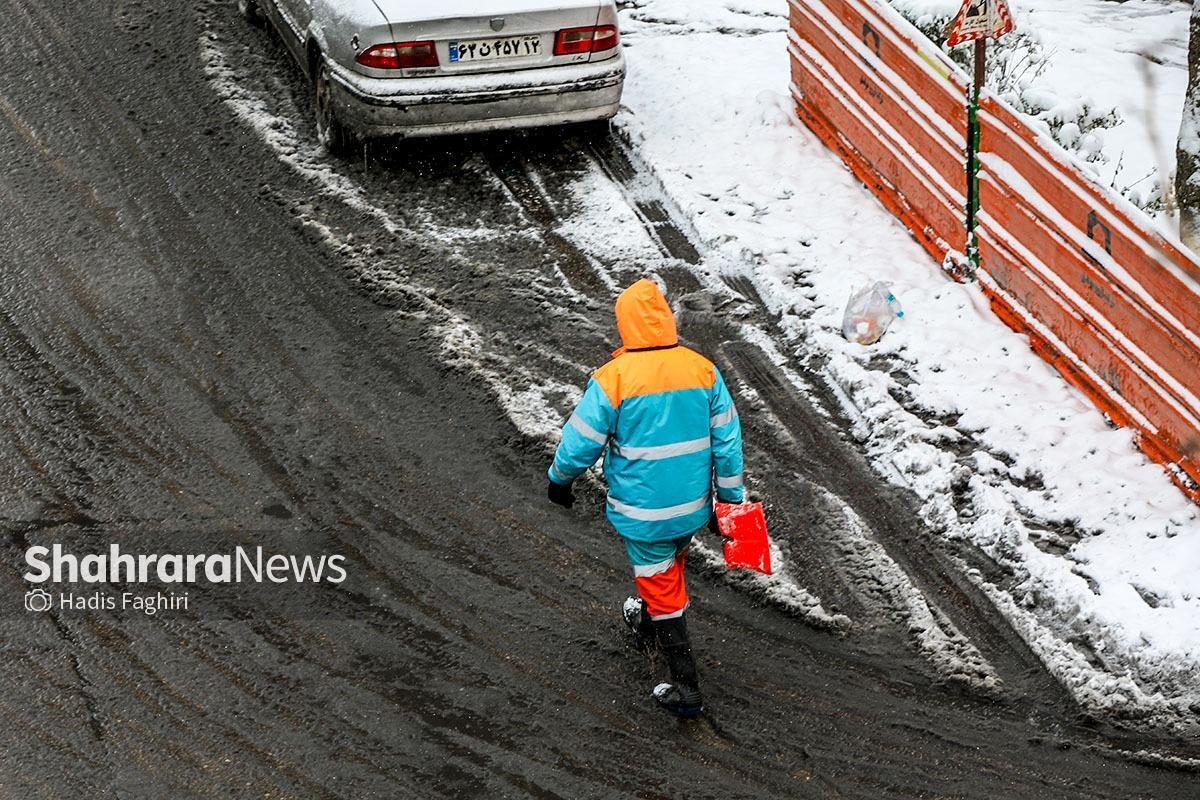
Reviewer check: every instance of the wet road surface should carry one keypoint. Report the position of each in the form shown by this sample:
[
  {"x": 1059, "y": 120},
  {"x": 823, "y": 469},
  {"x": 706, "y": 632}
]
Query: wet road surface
[{"x": 213, "y": 334}]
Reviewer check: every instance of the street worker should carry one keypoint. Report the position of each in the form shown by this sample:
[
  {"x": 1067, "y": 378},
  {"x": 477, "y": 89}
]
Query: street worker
[{"x": 671, "y": 429}]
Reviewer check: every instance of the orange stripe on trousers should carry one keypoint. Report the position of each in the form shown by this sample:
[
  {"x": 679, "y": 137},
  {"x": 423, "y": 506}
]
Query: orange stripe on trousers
[{"x": 666, "y": 592}]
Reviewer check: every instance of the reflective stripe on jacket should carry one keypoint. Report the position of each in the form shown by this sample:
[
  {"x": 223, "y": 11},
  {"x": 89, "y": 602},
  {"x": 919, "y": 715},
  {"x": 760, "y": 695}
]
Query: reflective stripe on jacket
[{"x": 668, "y": 421}]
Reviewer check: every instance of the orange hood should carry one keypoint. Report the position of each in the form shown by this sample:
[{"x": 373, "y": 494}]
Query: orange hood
[{"x": 644, "y": 319}]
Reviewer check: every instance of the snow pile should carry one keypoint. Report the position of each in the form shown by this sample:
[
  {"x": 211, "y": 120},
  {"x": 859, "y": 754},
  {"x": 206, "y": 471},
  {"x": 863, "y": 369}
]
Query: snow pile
[{"x": 1100, "y": 552}]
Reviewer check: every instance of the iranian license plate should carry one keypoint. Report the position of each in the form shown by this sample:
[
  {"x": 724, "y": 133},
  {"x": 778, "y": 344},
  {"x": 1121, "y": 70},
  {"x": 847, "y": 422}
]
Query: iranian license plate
[{"x": 493, "y": 49}]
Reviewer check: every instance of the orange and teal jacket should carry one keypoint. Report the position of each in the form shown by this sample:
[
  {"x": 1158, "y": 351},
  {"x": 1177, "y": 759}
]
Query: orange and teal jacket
[{"x": 668, "y": 421}]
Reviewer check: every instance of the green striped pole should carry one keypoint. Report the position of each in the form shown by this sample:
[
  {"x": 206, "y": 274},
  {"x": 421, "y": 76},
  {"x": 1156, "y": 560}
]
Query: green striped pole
[{"x": 973, "y": 154}]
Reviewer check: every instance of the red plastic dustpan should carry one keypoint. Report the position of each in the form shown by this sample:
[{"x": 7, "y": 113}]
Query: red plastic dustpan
[{"x": 745, "y": 530}]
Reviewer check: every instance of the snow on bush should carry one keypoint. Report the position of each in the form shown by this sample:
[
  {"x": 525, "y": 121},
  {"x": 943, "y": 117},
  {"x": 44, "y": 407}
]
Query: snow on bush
[{"x": 1015, "y": 72}]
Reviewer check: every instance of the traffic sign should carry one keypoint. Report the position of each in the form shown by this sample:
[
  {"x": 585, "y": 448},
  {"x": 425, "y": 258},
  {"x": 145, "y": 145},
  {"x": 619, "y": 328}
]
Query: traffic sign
[{"x": 980, "y": 19}]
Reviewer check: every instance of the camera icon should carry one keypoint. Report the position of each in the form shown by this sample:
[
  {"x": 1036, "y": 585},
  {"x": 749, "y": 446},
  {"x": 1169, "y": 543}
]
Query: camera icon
[{"x": 38, "y": 600}]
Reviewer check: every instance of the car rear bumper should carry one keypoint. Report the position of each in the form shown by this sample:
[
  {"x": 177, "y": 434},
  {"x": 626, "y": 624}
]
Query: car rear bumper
[{"x": 480, "y": 102}]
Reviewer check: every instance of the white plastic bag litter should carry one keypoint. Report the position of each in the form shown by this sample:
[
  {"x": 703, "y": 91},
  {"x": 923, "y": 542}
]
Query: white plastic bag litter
[{"x": 869, "y": 314}]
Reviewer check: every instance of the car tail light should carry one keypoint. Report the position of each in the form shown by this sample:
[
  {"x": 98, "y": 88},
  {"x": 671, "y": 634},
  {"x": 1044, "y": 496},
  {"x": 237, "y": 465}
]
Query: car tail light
[
  {"x": 399, "y": 55},
  {"x": 595, "y": 39}
]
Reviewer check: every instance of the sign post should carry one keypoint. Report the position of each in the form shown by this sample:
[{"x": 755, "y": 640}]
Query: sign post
[{"x": 977, "y": 21}]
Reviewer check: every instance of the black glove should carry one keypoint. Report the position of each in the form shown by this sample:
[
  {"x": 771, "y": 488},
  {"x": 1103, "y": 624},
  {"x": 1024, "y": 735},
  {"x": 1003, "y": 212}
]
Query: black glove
[
  {"x": 560, "y": 494},
  {"x": 712, "y": 525}
]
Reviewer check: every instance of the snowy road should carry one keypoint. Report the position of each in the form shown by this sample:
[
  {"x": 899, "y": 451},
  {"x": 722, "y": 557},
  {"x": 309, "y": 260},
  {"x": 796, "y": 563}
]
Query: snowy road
[{"x": 213, "y": 333}]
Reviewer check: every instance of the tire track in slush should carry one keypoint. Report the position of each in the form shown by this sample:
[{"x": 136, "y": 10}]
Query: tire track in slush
[
  {"x": 292, "y": 707},
  {"x": 458, "y": 339},
  {"x": 531, "y": 193},
  {"x": 922, "y": 594},
  {"x": 531, "y": 406},
  {"x": 951, "y": 656}
]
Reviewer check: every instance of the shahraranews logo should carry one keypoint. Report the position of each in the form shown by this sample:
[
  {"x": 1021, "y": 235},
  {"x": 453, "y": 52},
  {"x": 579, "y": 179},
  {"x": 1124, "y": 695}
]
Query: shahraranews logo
[
  {"x": 236, "y": 567},
  {"x": 239, "y": 566}
]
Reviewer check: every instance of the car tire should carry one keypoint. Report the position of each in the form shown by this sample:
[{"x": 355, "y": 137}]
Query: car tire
[
  {"x": 250, "y": 10},
  {"x": 335, "y": 137}
]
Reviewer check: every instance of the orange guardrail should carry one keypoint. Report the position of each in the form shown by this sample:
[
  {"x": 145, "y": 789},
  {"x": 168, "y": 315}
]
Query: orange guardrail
[{"x": 1102, "y": 295}]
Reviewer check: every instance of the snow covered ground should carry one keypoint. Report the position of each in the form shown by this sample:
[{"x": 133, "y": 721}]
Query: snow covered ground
[
  {"x": 1107, "y": 79},
  {"x": 1101, "y": 551}
]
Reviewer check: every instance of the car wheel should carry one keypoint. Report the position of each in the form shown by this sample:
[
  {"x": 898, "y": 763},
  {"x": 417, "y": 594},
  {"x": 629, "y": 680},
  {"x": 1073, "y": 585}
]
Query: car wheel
[
  {"x": 251, "y": 11},
  {"x": 331, "y": 133}
]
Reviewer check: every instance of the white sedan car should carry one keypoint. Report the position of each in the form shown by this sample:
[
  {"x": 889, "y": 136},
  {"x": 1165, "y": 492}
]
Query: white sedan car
[{"x": 432, "y": 67}]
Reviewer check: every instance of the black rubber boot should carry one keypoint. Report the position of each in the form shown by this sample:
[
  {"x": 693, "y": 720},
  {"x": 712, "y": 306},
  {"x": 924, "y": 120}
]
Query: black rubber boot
[
  {"x": 639, "y": 623},
  {"x": 682, "y": 696}
]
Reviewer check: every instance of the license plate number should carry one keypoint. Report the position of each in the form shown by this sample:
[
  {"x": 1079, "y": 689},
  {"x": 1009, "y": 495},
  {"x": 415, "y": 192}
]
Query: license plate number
[{"x": 492, "y": 49}]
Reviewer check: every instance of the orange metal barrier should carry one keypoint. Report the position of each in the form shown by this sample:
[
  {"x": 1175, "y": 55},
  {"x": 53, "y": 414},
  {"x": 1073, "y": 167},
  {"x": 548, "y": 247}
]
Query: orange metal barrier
[{"x": 1104, "y": 297}]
